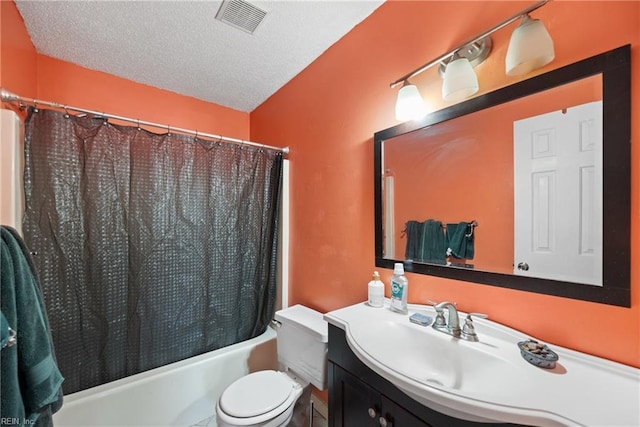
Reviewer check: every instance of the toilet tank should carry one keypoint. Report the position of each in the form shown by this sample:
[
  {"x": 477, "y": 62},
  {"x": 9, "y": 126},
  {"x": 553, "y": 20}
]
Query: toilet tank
[{"x": 302, "y": 343}]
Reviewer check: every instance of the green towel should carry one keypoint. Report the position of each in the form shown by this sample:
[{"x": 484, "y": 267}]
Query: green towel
[
  {"x": 458, "y": 244},
  {"x": 4, "y": 331},
  {"x": 31, "y": 382},
  {"x": 432, "y": 243},
  {"x": 414, "y": 233}
]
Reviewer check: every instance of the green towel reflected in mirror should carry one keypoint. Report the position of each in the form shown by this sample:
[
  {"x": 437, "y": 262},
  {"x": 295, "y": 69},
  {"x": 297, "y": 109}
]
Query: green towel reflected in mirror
[
  {"x": 460, "y": 240},
  {"x": 431, "y": 242}
]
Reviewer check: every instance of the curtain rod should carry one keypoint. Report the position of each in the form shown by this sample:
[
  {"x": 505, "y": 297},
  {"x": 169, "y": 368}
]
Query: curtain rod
[{"x": 9, "y": 97}]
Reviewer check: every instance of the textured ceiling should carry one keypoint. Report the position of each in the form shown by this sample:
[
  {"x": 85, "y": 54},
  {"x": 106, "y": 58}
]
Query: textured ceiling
[{"x": 181, "y": 47}]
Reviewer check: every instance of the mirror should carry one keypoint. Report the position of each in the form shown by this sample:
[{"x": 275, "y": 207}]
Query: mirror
[{"x": 486, "y": 191}]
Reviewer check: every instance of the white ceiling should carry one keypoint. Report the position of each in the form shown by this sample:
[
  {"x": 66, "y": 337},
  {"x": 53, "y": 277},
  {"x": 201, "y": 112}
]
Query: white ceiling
[{"x": 179, "y": 46}]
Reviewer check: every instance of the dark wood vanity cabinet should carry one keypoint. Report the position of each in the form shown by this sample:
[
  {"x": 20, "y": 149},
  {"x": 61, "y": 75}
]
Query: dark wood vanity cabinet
[
  {"x": 360, "y": 405},
  {"x": 358, "y": 397}
]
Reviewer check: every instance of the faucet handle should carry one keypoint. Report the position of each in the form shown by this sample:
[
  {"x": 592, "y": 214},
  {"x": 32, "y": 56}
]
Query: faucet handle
[
  {"x": 439, "y": 321},
  {"x": 469, "y": 330},
  {"x": 477, "y": 315}
]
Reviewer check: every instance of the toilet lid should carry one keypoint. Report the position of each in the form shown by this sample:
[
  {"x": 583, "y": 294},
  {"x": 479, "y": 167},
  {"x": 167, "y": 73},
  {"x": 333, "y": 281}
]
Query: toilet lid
[{"x": 256, "y": 394}]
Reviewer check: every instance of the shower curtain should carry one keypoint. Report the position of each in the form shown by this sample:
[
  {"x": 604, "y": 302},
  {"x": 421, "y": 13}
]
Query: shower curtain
[{"x": 151, "y": 248}]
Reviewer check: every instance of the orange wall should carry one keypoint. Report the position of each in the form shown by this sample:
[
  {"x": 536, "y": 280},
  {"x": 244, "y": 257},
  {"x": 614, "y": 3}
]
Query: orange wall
[
  {"x": 70, "y": 84},
  {"x": 17, "y": 55},
  {"x": 328, "y": 113}
]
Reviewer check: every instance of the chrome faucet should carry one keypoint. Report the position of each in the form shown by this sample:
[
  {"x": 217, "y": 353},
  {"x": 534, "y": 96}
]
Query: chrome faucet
[{"x": 452, "y": 325}]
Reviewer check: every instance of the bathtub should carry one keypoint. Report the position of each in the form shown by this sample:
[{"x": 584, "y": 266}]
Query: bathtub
[{"x": 180, "y": 394}]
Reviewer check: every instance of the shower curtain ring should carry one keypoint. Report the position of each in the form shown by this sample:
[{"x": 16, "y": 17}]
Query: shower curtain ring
[
  {"x": 196, "y": 138},
  {"x": 35, "y": 106},
  {"x": 168, "y": 130},
  {"x": 138, "y": 120},
  {"x": 66, "y": 113}
]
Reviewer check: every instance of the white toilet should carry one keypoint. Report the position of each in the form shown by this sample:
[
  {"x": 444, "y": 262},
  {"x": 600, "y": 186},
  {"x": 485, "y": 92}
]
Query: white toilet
[{"x": 267, "y": 398}]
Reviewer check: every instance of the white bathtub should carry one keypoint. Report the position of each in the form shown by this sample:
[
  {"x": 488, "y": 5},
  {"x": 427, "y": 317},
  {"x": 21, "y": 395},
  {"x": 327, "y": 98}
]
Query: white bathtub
[{"x": 181, "y": 394}]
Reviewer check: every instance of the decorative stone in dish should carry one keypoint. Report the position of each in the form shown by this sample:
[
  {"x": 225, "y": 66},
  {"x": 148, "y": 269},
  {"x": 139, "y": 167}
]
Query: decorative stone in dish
[{"x": 538, "y": 354}]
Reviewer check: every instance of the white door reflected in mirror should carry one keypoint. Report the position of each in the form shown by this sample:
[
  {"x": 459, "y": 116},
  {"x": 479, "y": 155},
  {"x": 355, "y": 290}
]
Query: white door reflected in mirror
[{"x": 558, "y": 195}]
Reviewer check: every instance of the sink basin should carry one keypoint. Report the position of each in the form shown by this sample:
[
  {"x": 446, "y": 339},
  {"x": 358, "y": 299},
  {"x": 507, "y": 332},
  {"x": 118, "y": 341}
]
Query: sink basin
[
  {"x": 489, "y": 381},
  {"x": 428, "y": 356}
]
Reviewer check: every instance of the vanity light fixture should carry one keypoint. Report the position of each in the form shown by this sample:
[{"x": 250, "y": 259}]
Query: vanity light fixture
[
  {"x": 410, "y": 105},
  {"x": 460, "y": 81},
  {"x": 530, "y": 47}
]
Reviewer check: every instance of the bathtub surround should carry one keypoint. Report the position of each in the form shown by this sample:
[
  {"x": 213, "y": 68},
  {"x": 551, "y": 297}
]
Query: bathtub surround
[
  {"x": 152, "y": 247},
  {"x": 183, "y": 393}
]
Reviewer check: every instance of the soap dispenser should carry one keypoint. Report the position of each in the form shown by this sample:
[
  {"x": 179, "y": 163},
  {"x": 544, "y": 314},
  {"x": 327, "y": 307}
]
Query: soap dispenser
[{"x": 376, "y": 291}]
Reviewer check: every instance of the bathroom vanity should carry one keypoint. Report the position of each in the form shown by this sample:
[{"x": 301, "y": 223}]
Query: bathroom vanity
[{"x": 386, "y": 371}]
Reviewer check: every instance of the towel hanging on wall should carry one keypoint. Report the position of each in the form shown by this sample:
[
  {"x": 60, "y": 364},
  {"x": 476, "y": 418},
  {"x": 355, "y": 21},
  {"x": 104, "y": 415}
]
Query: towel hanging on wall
[
  {"x": 425, "y": 241},
  {"x": 460, "y": 239}
]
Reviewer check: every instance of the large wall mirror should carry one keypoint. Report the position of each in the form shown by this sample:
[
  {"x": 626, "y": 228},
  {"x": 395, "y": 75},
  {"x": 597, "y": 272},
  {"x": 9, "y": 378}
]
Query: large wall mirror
[{"x": 526, "y": 187}]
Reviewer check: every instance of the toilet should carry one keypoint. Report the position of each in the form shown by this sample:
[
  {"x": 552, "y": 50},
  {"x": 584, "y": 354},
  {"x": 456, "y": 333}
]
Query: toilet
[{"x": 267, "y": 398}]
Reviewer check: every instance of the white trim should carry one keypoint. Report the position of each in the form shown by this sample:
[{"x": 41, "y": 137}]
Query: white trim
[
  {"x": 11, "y": 170},
  {"x": 389, "y": 217},
  {"x": 283, "y": 253}
]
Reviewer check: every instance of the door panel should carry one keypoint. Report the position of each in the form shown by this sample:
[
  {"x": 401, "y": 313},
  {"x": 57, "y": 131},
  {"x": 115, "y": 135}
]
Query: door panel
[{"x": 353, "y": 400}]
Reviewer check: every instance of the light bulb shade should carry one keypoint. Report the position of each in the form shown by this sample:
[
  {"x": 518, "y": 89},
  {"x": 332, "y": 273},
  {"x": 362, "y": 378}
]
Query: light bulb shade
[
  {"x": 409, "y": 105},
  {"x": 460, "y": 81},
  {"x": 530, "y": 47}
]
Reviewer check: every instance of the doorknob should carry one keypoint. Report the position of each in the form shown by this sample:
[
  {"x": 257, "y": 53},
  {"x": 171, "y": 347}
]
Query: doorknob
[
  {"x": 385, "y": 423},
  {"x": 523, "y": 266}
]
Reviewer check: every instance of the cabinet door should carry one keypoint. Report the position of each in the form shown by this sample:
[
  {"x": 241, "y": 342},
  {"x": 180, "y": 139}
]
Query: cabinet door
[
  {"x": 397, "y": 416},
  {"x": 353, "y": 403}
]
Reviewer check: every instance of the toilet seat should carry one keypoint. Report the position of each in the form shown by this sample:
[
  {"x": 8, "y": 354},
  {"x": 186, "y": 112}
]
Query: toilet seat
[{"x": 258, "y": 397}]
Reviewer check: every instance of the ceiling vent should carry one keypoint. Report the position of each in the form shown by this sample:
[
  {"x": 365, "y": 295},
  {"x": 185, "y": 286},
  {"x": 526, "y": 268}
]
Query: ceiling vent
[{"x": 241, "y": 14}]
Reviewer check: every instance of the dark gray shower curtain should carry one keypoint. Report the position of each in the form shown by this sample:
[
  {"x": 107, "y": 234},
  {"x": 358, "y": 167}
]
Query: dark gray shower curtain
[{"x": 151, "y": 248}]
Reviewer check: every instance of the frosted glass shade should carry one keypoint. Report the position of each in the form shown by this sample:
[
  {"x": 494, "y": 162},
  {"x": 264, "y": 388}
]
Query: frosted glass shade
[
  {"x": 530, "y": 47},
  {"x": 409, "y": 105},
  {"x": 460, "y": 81}
]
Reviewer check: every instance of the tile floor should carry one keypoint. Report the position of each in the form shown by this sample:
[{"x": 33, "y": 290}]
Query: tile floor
[
  {"x": 318, "y": 419},
  {"x": 320, "y": 412},
  {"x": 209, "y": 422}
]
